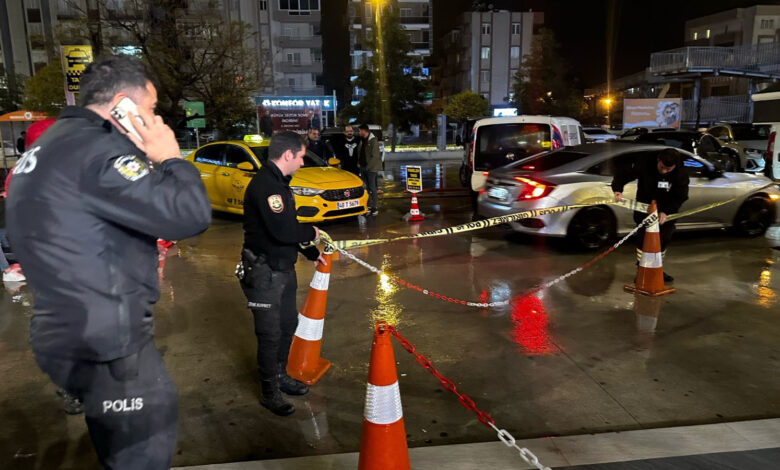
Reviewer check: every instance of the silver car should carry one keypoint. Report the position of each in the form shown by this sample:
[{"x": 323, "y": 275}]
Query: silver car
[{"x": 576, "y": 175}]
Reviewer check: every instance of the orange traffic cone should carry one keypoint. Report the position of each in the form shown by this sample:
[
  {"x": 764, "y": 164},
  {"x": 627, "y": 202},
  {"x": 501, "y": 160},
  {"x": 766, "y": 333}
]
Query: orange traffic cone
[
  {"x": 416, "y": 216},
  {"x": 304, "y": 362},
  {"x": 383, "y": 439},
  {"x": 650, "y": 273}
]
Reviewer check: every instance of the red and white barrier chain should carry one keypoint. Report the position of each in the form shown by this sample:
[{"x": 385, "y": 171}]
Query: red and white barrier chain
[
  {"x": 503, "y": 435},
  {"x": 647, "y": 220}
]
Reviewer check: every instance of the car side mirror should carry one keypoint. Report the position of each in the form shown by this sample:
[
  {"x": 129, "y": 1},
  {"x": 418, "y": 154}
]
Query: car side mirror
[
  {"x": 333, "y": 161},
  {"x": 245, "y": 166}
]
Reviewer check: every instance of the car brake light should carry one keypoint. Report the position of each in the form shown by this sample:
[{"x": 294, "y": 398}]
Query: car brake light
[
  {"x": 770, "y": 147},
  {"x": 485, "y": 173},
  {"x": 532, "y": 189}
]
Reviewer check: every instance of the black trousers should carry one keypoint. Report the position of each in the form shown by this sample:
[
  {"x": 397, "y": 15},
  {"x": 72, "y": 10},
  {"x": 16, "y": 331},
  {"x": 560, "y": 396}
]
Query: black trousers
[
  {"x": 271, "y": 297},
  {"x": 666, "y": 231},
  {"x": 130, "y": 406}
]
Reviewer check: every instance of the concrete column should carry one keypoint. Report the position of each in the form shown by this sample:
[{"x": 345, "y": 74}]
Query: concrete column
[{"x": 697, "y": 100}]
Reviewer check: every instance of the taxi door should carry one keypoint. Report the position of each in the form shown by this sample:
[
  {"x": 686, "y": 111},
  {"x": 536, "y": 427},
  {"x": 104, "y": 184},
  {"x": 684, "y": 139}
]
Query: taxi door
[
  {"x": 208, "y": 159},
  {"x": 231, "y": 181}
]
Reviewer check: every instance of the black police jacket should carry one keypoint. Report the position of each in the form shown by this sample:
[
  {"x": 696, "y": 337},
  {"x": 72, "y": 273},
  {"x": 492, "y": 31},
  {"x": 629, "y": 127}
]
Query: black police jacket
[
  {"x": 271, "y": 228},
  {"x": 84, "y": 212},
  {"x": 669, "y": 191}
]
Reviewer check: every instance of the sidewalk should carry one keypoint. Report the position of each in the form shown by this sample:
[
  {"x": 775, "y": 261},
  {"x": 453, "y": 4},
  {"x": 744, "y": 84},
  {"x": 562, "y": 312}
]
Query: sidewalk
[{"x": 739, "y": 439}]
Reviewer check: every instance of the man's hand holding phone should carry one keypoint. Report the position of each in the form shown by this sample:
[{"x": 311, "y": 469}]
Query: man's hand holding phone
[{"x": 156, "y": 139}]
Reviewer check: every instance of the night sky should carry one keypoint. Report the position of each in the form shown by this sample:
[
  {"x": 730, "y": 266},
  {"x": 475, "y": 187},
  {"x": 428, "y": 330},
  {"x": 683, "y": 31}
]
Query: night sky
[{"x": 580, "y": 28}]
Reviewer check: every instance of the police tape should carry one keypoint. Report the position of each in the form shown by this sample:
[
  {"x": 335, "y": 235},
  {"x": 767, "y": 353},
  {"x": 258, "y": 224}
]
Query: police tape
[
  {"x": 629, "y": 204},
  {"x": 650, "y": 219},
  {"x": 481, "y": 224}
]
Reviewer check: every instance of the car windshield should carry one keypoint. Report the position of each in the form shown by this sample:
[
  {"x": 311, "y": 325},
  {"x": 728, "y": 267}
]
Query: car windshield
[
  {"x": 548, "y": 161},
  {"x": 500, "y": 144},
  {"x": 750, "y": 132},
  {"x": 309, "y": 159}
]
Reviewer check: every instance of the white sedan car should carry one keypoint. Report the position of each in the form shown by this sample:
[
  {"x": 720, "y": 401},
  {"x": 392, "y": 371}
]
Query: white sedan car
[{"x": 577, "y": 175}]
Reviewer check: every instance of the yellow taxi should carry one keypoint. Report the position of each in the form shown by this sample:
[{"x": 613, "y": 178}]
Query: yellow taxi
[{"x": 322, "y": 192}]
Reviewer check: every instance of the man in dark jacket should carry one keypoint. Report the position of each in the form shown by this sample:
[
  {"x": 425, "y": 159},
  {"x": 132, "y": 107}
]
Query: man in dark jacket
[
  {"x": 370, "y": 161},
  {"x": 662, "y": 178},
  {"x": 85, "y": 209},
  {"x": 272, "y": 239},
  {"x": 346, "y": 149}
]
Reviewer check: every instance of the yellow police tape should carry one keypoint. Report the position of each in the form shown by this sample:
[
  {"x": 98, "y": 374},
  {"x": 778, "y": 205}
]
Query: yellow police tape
[{"x": 629, "y": 204}]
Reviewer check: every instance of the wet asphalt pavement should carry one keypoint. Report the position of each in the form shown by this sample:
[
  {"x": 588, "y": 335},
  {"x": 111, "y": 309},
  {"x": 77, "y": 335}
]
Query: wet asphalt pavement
[{"x": 580, "y": 357}]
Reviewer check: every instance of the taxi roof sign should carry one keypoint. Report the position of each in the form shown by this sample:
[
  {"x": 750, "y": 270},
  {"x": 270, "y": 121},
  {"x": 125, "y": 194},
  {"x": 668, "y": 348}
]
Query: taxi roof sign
[{"x": 255, "y": 138}]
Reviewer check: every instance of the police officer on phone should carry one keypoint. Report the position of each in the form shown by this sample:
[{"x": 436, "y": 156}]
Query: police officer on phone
[
  {"x": 272, "y": 240},
  {"x": 85, "y": 209}
]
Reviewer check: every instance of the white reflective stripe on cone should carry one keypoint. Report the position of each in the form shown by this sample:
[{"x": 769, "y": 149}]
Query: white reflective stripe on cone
[
  {"x": 653, "y": 228},
  {"x": 383, "y": 404},
  {"x": 651, "y": 260},
  {"x": 309, "y": 329},
  {"x": 320, "y": 281},
  {"x": 415, "y": 211}
]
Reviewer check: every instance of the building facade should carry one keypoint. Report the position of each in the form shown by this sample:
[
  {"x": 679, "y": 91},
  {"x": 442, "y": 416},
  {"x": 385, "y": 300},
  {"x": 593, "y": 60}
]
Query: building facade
[
  {"x": 759, "y": 24},
  {"x": 288, "y": 40},
  {"x": 417, "y": 20},
  {"x": 477, "y": 55}
]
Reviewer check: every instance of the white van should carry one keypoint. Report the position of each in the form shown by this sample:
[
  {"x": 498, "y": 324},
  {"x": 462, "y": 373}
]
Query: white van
[
  {"x": 496, "y": 142},
  {"x": 767, "y": 111}
]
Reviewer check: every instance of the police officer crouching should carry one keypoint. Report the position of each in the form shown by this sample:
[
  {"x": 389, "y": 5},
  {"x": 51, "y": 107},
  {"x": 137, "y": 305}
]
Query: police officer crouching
[
  {"x": 85, "y": 210},
  {"x": 272, "y": 239},
  {"x": 661, "y": 177}
]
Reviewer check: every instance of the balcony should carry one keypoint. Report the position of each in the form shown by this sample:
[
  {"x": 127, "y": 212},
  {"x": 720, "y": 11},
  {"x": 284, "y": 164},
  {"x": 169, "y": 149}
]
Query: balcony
[
  {"x": 299, "y": 67},
  {"x": 299, "y": 42},
  {"x": 299, "y": 90},
  {"x": 407, "y": 20}
]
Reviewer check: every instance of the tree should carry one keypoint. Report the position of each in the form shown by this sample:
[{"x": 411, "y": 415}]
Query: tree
[
  {"x": 404, "y": 93},
  {"x": 466, "y": 104},
  {"x": 191, "y": 53},
  {"x": 45, "y": 91},
  {"x": 11, "y": 90},
  {"x": 541, "y": 84}
]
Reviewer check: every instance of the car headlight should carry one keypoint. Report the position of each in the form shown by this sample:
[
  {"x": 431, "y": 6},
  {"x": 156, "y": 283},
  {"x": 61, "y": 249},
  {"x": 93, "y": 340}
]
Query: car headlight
[{"x": 304, "y": 191}]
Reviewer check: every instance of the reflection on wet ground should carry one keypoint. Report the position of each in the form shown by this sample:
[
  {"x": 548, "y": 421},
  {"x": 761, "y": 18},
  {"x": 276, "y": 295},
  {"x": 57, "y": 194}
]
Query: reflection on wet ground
[{"x": 582, "y": 356}]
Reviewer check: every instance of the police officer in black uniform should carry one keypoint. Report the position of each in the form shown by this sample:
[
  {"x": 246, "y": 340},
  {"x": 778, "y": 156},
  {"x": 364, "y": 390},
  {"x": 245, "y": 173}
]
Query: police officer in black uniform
[
  {"x": 86, "y": 205},
  {"x": 661, "y": 177},
  {"x": 272, "y": 239}
]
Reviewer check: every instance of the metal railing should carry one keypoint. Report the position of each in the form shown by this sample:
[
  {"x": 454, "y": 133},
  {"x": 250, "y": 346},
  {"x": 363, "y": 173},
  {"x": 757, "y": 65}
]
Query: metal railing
[
  {"x": 718, "y": 108},
  {"x": 754, "y": 58}
]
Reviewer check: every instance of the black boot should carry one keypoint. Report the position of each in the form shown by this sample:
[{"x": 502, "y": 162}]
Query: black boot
[
  {"x": 273, "y": 400},
  {"x": 290, "y": 386},
  {"x": 668, "y": 278}
]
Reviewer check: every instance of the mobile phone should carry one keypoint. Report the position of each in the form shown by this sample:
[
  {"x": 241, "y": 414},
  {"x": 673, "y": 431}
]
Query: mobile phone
[{"x": 121, "y": 113}]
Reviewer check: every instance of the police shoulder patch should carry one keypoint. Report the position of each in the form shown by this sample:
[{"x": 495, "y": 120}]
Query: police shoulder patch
[
  {"x": 276, "y": 203},
  {"x": 131, "y": 167}
]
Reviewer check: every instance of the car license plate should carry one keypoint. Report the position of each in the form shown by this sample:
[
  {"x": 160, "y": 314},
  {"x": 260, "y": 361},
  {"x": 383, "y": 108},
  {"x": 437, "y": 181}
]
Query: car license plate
[
  {"x": 498, "y": 193},
  {"x": 347, "y": 204}
]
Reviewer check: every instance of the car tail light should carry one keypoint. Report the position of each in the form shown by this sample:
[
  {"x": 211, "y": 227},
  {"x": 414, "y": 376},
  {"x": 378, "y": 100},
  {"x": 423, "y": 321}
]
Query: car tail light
[
  {"x": 531, "y": 189},
  {"x": 770, "y": 147}
]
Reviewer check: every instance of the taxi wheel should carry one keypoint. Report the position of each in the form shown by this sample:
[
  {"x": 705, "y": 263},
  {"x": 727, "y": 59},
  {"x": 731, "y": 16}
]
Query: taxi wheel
[
  {"x": 592, "y": 228},
  {"x": 754, "y": 217}
]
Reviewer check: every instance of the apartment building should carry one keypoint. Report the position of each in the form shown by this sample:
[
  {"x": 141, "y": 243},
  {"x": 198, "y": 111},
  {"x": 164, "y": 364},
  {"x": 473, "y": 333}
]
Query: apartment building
[
  {"x": 485, "y": 51},
  {"x": 288, "y": 40},
  {"x": 759, "y": 24},
  {"x": 416, "y": 19}
]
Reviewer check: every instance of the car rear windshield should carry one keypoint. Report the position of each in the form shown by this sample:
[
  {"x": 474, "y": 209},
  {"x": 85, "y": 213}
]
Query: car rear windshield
[
  {"x": 750, "y": 132},
  {"x": 548, "y": 161},
  {"x": 500, "y": 144}
]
